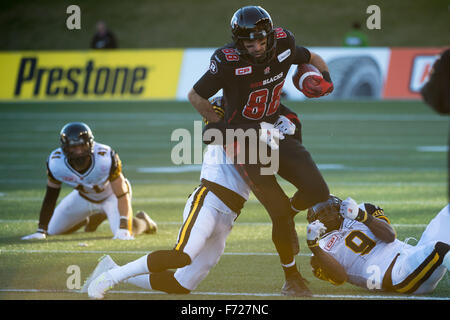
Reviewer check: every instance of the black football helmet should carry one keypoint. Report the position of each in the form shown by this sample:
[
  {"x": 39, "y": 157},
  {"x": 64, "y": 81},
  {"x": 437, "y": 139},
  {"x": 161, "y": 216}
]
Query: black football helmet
[
  {"x": 327, "y": 212},
  {"x": 251, "y": 23},
  {"x": 75, "y": 134}
]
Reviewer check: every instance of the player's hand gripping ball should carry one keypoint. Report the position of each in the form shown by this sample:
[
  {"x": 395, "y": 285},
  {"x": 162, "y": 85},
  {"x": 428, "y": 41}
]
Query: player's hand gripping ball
[{"x": 309, "y": 80}]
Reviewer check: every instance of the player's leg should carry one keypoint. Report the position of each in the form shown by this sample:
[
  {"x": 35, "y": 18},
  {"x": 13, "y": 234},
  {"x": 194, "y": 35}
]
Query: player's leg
[
  {"x": 191, "y": 275},
  {"x": 419, "y": 269},
  {"x": 298, "y": 167},
  {"x": 438, "y": 228},
  {"x": 111, "y": 209},
  {"x": 197, "y": 228},
  {"x": 270, "y": 194},
  {"x": 70, "y": 212}
]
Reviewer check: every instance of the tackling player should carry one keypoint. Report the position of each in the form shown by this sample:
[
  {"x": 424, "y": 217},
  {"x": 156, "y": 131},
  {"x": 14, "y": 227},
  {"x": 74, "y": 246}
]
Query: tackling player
[
  {"x": 360, "y": 247},
  {"x": 94, "y": 170},
  {"x": 251, "y": 71},
  {"x": 208, "y": 218}
]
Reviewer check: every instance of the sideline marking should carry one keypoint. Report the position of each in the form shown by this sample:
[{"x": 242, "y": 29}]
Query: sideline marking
[{"x": 256, "y": 294}]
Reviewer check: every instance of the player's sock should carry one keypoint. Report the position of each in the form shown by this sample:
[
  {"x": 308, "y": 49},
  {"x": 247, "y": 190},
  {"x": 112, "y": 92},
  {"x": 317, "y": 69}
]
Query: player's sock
[
  {"x": 142, "y": 281},
  {"x": 289, "y": 269},
  {"x": 131, "y": 269}
]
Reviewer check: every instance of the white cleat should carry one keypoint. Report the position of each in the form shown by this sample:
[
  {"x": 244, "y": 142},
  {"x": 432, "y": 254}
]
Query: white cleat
[
  {"x": 105, "y": 263},
  {"x": 100, "y": 285}
]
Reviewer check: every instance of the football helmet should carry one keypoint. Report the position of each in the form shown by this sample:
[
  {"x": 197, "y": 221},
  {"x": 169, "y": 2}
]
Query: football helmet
[
  {"x": 77, "y": 134},
  {"x": 327, "y": 212},
  {"x": 251, "y": 23}
]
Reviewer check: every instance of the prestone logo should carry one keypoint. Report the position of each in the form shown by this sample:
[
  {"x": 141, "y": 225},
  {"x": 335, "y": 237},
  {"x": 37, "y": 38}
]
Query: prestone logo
[{"x": 86, "y": 80}]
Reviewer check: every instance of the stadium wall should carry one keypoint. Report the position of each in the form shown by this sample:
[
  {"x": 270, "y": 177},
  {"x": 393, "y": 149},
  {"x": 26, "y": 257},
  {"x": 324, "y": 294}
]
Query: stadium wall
[{"x": 162, "y": 74}]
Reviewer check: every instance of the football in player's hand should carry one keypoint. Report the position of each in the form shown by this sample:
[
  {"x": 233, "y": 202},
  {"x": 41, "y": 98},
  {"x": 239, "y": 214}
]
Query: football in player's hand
[{"x": 307, "y": 79}]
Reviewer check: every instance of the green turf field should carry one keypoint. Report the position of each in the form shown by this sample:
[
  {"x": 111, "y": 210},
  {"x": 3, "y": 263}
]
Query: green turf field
[{"x": 389, "y": 153}]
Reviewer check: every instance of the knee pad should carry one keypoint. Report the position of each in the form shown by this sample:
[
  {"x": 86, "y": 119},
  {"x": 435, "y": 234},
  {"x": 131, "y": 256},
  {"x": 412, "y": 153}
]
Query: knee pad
[
  {"x": 166, "y": 282},
  {"x": 161, "y": 260}
]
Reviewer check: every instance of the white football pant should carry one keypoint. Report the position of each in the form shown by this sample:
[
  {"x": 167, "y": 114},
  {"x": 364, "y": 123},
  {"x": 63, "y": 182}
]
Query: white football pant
[
  {"x": 202, "y": 236},
  {"x": 73, "y": 209},
  {"x": 415, "y": 263}
]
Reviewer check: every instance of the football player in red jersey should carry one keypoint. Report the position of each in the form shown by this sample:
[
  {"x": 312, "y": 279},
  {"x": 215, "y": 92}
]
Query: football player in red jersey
[{"x": 251, "y": 71}]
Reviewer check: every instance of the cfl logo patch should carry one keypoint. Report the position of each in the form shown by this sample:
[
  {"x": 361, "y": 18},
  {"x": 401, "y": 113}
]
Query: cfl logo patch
[{"x": 242, "y": 71}]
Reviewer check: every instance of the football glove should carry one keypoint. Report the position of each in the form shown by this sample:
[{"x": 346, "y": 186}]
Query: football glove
[
  {"x": 318, "y": 88},
  {"x": 270, "y": 135},
  {"x": 350, "y": 210},
  {"x": 40, "y": 234},
  {"x": 123, "y": 234},
  {"x": 286, "y": 126},
  {"x": 313, "y": 232}
]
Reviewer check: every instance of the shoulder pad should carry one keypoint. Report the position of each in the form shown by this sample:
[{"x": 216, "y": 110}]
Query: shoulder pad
[
  {"x": 116, "y": 166},
  {"x": 226, "y": 54}
]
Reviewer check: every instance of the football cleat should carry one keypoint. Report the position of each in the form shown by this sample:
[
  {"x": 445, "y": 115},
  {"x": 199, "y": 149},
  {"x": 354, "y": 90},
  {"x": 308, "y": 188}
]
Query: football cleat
[
  {"x": 152, "y": 227},
  {"x": 105, "y": 263},
  {"x": 295, "y": 286},
  {"x": 98, "y": 287}
]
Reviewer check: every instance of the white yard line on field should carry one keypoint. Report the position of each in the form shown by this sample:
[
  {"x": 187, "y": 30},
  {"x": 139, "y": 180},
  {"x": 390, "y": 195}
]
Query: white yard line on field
[
  {"x": 133, "y": 252},
  {"x": 399, "y": 225},
  {"x": 231, "y": 294}
]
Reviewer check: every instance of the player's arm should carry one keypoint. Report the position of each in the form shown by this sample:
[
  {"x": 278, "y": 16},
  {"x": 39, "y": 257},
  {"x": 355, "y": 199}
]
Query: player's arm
[
  {"x": 203, "y": 106},
  {"x": 47, "y": 208},
  {"x": 320, "y": 64},
  {"x": 208, "y": 85},
  {"x": 121, "y": 190},
  {"x": 373, "y": 217},
  {"x": 325, "y": 267}
]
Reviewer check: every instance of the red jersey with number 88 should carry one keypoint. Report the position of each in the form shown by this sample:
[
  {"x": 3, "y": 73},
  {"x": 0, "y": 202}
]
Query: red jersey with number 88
[{"x": 252, "y": 91}]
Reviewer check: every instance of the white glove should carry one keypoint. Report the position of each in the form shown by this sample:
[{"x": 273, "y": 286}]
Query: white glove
[
  {"x": 38, "y": 235},
  {"x": 285, "y": 125},
  {"x": 350, "y": 210},
  {"x": 123, "y": 234},
  {"x": 313, "y": 232},
  {"x": 270, "y": 135}
]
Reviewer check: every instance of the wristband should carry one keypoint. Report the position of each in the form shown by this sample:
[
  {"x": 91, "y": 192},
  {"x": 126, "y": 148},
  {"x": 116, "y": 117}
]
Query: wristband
[
  {"x": 123, "y": 223},
  {"x": 362, "y": 216},
  {"x": 312, "y": 243}
]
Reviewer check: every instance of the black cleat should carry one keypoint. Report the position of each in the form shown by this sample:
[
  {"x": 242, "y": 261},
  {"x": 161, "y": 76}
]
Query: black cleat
[{"x": 295, "y": 286}]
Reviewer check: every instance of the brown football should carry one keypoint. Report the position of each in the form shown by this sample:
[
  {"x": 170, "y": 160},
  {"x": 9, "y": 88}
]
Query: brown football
[{"x": 303, "y": 73}]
